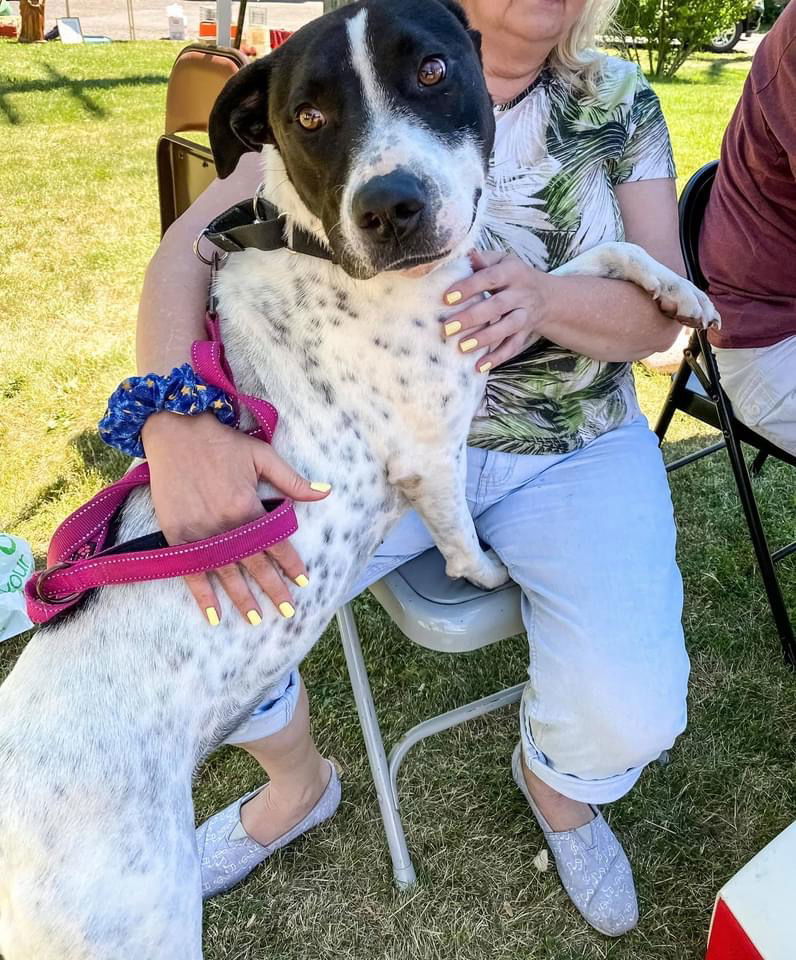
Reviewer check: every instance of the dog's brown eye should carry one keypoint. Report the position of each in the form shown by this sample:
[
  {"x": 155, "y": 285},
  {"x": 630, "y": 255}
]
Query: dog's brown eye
[
  {"x": 432, "y": 71},
  {"x": 310, "y": 117}
]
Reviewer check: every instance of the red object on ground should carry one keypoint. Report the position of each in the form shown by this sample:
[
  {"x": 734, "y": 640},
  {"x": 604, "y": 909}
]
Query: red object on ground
[
  {"x": 754, "y": 917},
  {"x": 728, "y": 939},
  {"x": 278, "y": 37},
  {"x": 8, "y": 30}
]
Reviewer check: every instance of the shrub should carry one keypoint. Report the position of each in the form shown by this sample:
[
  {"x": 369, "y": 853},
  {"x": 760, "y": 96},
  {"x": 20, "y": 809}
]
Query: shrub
[{"x": 671, "y": 30}]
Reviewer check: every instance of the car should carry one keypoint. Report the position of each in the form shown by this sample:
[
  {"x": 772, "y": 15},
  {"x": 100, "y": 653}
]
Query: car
[{"x": 726, "y": 40}]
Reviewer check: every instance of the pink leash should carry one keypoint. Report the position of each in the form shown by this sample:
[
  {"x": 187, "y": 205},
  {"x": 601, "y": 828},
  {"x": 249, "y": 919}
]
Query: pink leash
[{"x": 78, "y": 560}]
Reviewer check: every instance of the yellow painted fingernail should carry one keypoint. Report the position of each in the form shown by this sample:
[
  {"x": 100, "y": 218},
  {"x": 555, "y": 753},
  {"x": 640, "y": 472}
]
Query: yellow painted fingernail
[
  {"x": 466, "y": 345},
  {"x": 453, "y": 327},
  {"x": 321, "y": 487},
  {"x": 485, "y": 367},
  {"x": 301, "y": 581},
  {"x": 286, "y": 609},
  {"x": 453, "y": 297},
  {"x": 254, "y": 618},
  {"x": 212, "y": 616}
]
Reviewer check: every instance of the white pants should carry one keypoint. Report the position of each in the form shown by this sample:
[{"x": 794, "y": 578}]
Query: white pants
[
  {"x": 761, "y": 385},
  {"x": 590, "y": 538}
]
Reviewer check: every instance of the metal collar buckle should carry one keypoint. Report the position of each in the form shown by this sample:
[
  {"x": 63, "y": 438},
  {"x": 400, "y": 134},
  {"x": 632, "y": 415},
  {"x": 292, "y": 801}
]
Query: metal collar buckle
[{"x": 219, "y": 257}]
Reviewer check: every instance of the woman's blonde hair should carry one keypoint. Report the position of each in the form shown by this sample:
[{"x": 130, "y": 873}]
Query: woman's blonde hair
[{"x": 575, "y": 59}]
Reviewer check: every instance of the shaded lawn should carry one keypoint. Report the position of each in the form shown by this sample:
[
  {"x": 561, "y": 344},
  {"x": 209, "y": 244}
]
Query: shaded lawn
[{"x": 79, "y": 221}]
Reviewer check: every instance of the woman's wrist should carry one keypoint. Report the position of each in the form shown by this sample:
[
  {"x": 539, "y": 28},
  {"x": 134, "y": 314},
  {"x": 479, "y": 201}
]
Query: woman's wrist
[
  {"x": 544, "y": 305},
  {"x": 165, "y": 423},
  {"x": 137, "y": 399}
]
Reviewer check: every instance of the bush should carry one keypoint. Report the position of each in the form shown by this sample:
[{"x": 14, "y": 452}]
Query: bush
[{"x": 671, "y": 30}]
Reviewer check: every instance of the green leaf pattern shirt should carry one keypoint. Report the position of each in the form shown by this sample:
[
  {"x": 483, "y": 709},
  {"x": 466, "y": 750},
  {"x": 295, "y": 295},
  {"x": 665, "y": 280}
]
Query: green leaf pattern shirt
[{"x": 558, "y": 156}]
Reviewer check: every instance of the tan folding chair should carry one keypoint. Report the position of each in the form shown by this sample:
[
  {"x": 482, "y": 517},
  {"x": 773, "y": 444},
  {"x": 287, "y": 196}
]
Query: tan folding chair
[{"x": 185, "y": 167}]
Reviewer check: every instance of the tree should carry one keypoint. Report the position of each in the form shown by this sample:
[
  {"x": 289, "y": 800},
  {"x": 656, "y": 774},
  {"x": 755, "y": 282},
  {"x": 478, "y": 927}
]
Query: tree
[
  {"x": 32, "y": 15},
  {"x": 671, "y": 30}
]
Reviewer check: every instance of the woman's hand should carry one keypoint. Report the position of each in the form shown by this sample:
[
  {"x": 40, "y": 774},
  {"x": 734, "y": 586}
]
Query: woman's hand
[
  {"x": 204, "y": 480},
  {"x": 508, "y": 320}
]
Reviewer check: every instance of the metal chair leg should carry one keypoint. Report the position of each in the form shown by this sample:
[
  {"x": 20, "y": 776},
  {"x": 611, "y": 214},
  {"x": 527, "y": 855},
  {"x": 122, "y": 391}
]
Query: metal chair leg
[
  {"x": 765, "y": 562},
  {"x": 402, "y": 866},
  {"x": 757, "y": 463},
  {"x": 676, "y": 390},
  {"x": 444, "y": 722},
  {"x": 744, "y": 484}
]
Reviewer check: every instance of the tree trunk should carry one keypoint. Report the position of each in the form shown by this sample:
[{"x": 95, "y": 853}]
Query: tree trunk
[{"x": 32, "y": 14}]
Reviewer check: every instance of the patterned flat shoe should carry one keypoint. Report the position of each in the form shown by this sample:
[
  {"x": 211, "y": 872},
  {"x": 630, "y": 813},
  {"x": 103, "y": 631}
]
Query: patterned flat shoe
[
  {"x": 229, "y": 854},
  {"x": 592, "y": 866}
]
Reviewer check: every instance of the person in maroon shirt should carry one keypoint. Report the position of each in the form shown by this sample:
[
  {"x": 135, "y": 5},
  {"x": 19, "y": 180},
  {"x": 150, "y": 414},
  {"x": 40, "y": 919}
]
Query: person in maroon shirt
[{"x": 748, "y": 243}]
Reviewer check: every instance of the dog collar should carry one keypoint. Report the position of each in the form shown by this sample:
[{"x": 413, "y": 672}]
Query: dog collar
[{"x": 259, "y": 224}]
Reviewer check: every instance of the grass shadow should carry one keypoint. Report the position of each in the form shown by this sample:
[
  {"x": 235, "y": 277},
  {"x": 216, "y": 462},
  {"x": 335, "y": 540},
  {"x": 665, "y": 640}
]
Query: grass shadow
[
  {"x": 717, "y": 67},
  {"x": 109, "y": 463},
  {"x": 97, "y": 456},
  {"x": 76, "y": 88},
  {"x": 51, "y": 492}
]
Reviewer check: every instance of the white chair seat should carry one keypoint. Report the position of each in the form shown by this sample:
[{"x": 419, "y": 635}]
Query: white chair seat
[{"x": 451, "y": 616}]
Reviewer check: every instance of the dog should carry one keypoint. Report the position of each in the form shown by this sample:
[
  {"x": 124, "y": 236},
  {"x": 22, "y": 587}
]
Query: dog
[{"x": 376, "y": 129}]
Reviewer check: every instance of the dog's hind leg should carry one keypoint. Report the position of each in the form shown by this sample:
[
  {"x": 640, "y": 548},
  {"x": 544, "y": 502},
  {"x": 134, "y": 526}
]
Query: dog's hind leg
[
  {"x": 627, "y": 261},
  {"x": 438, "y": 495}
]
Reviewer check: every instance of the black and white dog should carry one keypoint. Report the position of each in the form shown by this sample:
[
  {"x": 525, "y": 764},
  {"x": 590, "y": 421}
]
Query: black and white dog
[{"x": 377, "y": 130}]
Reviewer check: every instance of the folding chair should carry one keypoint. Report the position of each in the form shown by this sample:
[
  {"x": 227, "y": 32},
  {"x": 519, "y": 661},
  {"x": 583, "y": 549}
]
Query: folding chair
[
  {"x": 448, "y": 616},
  {"x": 185, "y": 167},
  {"x": 696, "y": 390}
]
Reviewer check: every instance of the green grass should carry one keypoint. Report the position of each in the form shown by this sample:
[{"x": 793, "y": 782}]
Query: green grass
[{"x": 79, "y": 221}]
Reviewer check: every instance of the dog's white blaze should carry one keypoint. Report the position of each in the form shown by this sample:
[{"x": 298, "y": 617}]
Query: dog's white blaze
[
  {"x": 376, "y": 100},
  {"x": 393, "y": 139}
]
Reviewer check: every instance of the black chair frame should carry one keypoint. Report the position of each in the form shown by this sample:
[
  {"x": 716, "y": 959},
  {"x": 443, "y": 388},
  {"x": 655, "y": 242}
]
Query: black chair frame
[{"x": 707, "y": 402}]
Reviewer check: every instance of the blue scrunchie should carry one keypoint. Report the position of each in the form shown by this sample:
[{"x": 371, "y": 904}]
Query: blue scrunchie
[{"x": 136, "y": 398}]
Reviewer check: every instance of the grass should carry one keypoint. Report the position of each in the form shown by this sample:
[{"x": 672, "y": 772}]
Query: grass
[{"x": 79, "y": 221}]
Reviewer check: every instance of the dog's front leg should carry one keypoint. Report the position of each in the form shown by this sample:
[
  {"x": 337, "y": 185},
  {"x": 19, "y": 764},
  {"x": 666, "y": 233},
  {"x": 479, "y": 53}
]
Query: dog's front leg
[
  {"x": 627, "y": 261},
  {"x": 437, "y": 492}
]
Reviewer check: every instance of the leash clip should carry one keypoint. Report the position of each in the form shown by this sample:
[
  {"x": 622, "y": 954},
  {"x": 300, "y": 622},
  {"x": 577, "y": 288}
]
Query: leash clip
[{"x": 44, "y": 575}]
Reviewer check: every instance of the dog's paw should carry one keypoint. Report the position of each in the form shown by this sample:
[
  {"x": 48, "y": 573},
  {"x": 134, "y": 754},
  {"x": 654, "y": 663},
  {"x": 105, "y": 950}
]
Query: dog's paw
[
  {"x": 680, "y": 299},
  {"x": 489, "y": 573}
]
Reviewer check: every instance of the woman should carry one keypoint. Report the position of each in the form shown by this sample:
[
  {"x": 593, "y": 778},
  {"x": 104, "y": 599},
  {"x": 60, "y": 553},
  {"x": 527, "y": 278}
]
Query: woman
[{"x": 565, "y": 479}]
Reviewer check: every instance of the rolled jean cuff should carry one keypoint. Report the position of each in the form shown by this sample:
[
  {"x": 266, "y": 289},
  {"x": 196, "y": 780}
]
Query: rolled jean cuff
[
  {"x": 584, "y": 791},
  {"x": 274, "y": 713}
]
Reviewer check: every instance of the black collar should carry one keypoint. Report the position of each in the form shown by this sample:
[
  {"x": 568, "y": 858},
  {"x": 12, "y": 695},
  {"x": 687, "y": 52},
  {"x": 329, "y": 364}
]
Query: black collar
[{"x": 259, "y": 224}]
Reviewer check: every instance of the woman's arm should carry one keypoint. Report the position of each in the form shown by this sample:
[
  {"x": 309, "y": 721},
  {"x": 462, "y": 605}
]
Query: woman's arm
[
  {"x": 172, "y": 307},
  {"x": 605, "y": 319},
  {"x": 204, "y": 475}
]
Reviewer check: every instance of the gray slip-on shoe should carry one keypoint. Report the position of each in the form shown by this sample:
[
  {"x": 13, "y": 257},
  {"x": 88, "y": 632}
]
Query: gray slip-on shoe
[
  {"x": 228, "y": 853},
  {"x": 592, "y": 866}
]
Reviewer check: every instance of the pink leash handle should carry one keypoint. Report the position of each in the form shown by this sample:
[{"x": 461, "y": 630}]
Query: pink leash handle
[
  {"x": 76, "y": 560},
  {"x": 62, "y": 584}
]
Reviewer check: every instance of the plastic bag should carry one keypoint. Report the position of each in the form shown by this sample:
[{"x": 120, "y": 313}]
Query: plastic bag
[{"x": 16, "y": 565}]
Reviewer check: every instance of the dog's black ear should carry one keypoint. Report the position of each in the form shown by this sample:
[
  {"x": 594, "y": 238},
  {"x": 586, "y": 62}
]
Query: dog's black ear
[
  {"x": 239, "y": 118},
  {"x": 458, "y": 11}
]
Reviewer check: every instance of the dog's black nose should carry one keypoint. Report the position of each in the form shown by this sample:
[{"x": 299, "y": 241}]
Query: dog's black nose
[{"x": 390, "y": 207}]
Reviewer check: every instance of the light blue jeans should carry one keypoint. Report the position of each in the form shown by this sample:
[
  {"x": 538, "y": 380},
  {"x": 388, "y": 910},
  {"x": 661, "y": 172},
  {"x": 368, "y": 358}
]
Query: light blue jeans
[{"x": 590, "y": 538}]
